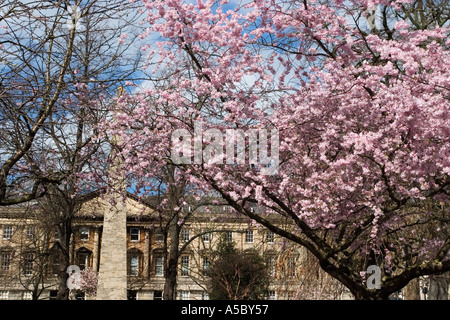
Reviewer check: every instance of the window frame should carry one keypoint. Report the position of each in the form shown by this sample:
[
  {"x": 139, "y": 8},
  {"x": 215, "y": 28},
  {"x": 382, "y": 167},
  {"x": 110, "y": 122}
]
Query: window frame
[
  {"x": 270, "y": 236},
  {"x": 159, "y": 236},
  {"x": 229, "y": 236},
  {"x": 206, "y": 237},
  {"x": 87, "y": 254},
  {"x": 132, "y": 294},
  {"x": 134, "y": 268},
  {"x": 184, "y": 295},
  {"x": 185, "y": 235},
  {"x": 291, "y": 266},
  {"x": 184, "y": 266},
  {"x": 31, "y": 232},
  {"x": 157, "y": 295},
  {"x": 8, "y": 231},
  {"x": 5, "y": 261},
  {"x": 27, "y": 295},
  {"x": 271, "y": 295},
  {"x": 271, "y": 265},
  {"x": 138, "y": 234},
  {"x": 249, "y": 236},
  {"x": 159, "y": 266},
  {"x": 28, "y": 264}
]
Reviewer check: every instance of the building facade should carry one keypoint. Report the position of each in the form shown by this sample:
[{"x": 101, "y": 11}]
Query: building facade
[{"x": 27, "y": 269}]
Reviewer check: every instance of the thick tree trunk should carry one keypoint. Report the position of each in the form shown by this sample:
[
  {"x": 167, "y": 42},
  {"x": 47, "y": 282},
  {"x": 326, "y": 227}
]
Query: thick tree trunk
[
  {"x": 170, "y": 281},
  {"x": 438, "y": 287},
  {"x": 63, "y": 251},
  {"x": 171, "y": 267},
  {"x": 63, "y": 291}
]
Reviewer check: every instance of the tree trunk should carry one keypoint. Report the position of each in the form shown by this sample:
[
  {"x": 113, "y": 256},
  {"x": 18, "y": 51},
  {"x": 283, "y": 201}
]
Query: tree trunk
[
  {"x": 438, "y": 287},
  {"x": 170, "y": 281},
  {"x": 63, "y": 252},
  {"x": 63, "y": 291},
  {"x": 171, "y": 267}
]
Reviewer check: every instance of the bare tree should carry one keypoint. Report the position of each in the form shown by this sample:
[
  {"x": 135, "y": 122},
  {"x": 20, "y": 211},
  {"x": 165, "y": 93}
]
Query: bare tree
[{"x": 62, "y": 61}]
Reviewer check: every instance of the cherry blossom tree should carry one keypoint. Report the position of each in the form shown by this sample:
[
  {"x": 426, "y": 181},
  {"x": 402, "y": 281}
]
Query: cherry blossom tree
[
  {"x": 89, "y": 281},
  {"x": 358, "y": 95}
]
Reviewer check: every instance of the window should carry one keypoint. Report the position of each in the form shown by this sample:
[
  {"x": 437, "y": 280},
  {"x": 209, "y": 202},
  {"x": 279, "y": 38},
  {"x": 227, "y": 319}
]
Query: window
[
  {"x": 185, "y": 235},
  {"x": 157, "y": 295},
  {"x": 206, "y": 264},
  {"x": 84, "y": 234},
  {"x": 184, "y": 295},
  {"x": 271, "y": 266},
  {"x": 205, "y": 295},
  {"x": 134, "y": 265},
  {"x": 132, "y": 294},
  {"x": 229, "y": 236},
  {"x": 185, "y": 266},
  {"x": 57, "y": 235},
  {"x": 159, "y": 267},
  {"x": 31, "y": 231},
  {"x": 83, "y": 258},
  {"x": 28, "y": 264},
  {"x": 79, "y": 295},
  {"x": 134, "y": 234},
  {"x": 135, "y": 259},
  {"x": 249, "y": 236},
  {"x": 270, "y": 237},
  {"x": 4, "y": 295},
  {"x": 5, "y": 261},
  {"x": 206, "y": 237},
  {"x": 7, "y": 232},
  {"x": 291, "y": 266},
  {"x": 271, "y": 295},
  {"x": 53, "y": 294},
  {"x": 159, "y": 236},
  {"x": 56, "y": 263},
  {"x": 27, "y": 295}
]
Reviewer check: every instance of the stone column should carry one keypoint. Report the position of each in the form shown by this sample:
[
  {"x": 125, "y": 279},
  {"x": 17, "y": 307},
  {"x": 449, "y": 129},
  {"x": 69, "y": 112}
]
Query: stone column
[
  {"x": 96, "y": 252},
  {"x": 112, "y": 278},
  {"x": 146, "y": 253}
]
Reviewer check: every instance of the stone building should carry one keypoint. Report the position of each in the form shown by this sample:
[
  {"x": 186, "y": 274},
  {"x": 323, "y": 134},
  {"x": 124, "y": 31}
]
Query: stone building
[{"x": 26, "y": 265}]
